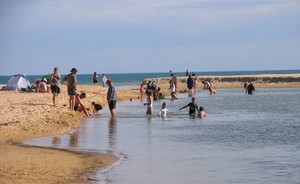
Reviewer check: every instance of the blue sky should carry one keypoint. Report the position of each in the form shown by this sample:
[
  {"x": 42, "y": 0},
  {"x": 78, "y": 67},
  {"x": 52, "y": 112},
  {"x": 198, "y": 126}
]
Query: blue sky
[{"x": 125, "y": 36}]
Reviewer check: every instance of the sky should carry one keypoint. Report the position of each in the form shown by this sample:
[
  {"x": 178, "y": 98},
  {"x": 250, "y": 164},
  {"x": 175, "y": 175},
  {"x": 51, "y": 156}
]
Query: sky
[{"x": 148, "y": 36}]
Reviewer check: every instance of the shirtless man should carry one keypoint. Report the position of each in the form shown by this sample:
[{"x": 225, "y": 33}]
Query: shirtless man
[{"x": 78, "y": 106}]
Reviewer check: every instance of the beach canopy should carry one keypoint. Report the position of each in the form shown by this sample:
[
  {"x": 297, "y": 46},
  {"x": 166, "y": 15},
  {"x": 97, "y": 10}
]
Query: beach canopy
[{"x": 18, "y": 82}]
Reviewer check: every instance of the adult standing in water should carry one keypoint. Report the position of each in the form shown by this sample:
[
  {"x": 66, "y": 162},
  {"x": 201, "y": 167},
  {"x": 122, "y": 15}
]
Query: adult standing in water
[
  {"x": 71, "y": 81},
  {"x": 175, "y": 81},
  {"x": 55, "y": 85},
  {"x": 112, "y": 98},
  {"x": 190, "y": 85},
  {"x": 250, "y": 88}
]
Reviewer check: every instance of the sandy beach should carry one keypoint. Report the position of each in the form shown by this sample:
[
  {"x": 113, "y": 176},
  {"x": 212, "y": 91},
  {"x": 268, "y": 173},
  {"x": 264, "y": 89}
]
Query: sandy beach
[
  {"x": 27, "y": 115},
  {"x": 225, "y": 82}
]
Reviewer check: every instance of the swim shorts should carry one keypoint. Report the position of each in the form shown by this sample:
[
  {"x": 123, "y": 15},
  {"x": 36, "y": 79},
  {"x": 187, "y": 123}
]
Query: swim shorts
[
  {"x": 55, "y": 89},
  {"x": 71, "y": 90},
  {"x": 112, "y": 104}
]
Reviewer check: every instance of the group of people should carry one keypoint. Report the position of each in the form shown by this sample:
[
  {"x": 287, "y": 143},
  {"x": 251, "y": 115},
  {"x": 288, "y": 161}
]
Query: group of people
[
  {"x": 103, "y": 79},
  {"x": 249, "y": 88},
  {"x": 75, "y": 103},
  {"x": 194, "y": 110},
  {"x": 152, "y": 92}
]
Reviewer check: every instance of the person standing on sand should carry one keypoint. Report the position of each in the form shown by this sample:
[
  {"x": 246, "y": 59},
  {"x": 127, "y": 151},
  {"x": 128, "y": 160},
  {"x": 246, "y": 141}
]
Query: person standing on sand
[
  {"x": 111, "y": 98},
  {"x": 55, "y": 85},
  {"x": 104, "y": 80},
  {"x": 95, "y": 79},
  {"x": 250, "y": 88},
  {"x": 71, "y": 81}
]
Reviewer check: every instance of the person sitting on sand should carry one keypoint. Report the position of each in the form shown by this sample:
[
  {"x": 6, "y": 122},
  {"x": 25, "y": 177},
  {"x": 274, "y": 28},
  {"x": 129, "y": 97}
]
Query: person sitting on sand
[
  {"x": 201, "y": 113},
  {"x": 163, "y": 112},
  {"x": 40, "y": 85},
  {"x": 193, "y": 107},
  {"x": 149, "y": 102},
  {"x": 97, "y": 107},
  {"x": 78, "y": 106},
  {"x": 250, "y": 88}
]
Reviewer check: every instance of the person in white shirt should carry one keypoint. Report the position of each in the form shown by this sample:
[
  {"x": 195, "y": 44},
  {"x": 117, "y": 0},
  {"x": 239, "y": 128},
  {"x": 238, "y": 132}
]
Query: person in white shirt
[{"x": 164, "y": 110}]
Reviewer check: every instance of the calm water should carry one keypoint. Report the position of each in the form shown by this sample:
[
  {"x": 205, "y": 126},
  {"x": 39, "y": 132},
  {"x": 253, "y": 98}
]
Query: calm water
[
  {"x": 137, "y": 78},
  {"x": 244, "y": 139}
]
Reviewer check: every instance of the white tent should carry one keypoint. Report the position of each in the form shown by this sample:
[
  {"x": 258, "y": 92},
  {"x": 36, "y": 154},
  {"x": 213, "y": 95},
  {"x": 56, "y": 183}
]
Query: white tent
[{"x": 17, "y": 82}]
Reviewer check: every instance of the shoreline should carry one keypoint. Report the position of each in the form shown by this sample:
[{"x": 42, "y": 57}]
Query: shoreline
[
  {"x": 29, "y": 115},
  {"x": 233, "y": 82},
  {"x": 237, "y": 81}
]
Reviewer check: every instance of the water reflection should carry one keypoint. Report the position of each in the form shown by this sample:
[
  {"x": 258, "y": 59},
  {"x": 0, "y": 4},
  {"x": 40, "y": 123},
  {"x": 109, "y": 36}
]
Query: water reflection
[
  {"x": 56, "y": 141},
  {"x": 112, "y": 132},
  {"x": 234, "y": 144}
]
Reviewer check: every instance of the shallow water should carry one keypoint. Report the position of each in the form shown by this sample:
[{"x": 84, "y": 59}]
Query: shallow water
[{"x": 244, "y": 139}]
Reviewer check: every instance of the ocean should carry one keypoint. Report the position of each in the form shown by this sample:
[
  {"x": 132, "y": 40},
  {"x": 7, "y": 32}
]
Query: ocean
[
  {"x": 137, "y": 78},
  {"x": 244, "y": 139}
]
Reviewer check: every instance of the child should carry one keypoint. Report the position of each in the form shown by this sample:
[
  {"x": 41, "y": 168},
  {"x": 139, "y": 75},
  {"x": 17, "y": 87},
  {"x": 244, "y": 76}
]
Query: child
[
  {"x": 193, "y": 107},
  {"x": 161, "y": 96},
  {"x": 149, "y": 103},
  {"x": 163, "y": 112},
  {"x": 201, "y": 113},
  {"x": 97, "y": 107}
]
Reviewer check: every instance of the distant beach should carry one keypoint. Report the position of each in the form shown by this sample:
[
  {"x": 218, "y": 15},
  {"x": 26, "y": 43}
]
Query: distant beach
[{"x": 237, "y": 81}]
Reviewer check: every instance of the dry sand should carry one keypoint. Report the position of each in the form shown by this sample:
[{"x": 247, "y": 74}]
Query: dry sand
[{"x": 26, "y": 115}]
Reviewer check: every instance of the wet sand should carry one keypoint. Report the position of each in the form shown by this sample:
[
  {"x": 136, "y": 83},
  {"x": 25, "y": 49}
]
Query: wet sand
[{"x": 27, "y": 115}]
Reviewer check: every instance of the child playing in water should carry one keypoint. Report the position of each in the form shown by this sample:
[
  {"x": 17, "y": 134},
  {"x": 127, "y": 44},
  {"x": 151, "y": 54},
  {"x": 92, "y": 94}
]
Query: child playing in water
[
  {"x": 201, "y": 113},
  {"x": 193, "y": 107},
  {"x": 163, "y": 112},
  {"x": 97, "y": 107}
]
